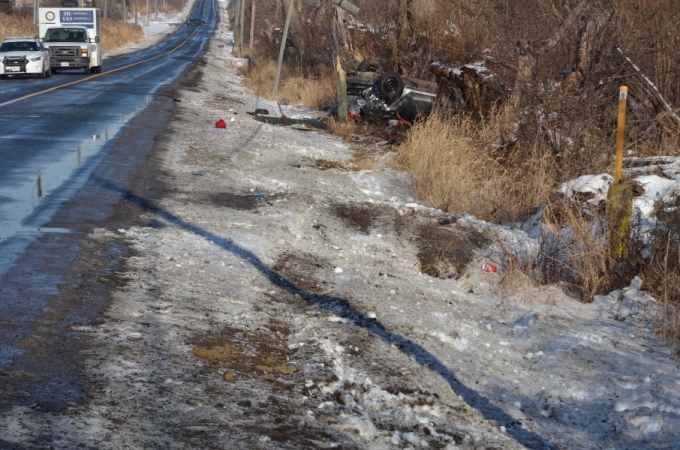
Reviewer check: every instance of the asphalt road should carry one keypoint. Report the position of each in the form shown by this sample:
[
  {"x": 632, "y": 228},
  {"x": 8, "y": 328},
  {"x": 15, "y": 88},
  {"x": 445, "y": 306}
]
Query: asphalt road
[
  {"x": 55, "y": 131},
  {"x": 71, "y": 148}
]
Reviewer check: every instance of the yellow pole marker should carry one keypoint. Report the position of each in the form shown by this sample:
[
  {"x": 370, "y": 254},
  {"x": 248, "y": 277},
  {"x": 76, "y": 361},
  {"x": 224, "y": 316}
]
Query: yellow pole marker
[
  {"x": 621, "y": 128},
  {"x": 619, "y": 207}
]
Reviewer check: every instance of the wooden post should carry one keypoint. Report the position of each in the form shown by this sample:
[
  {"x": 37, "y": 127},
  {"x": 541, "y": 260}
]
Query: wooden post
[
  {"x": 619, "y": 207},
  {"x": 283, "y": 47},
  {"x": 243, "y": 13},
  {"x": 334, "y": 32},
  {"x": 234, "y": 42},
  {"x": 252, "y": 32},
  {"x": 342, "y": 91}
]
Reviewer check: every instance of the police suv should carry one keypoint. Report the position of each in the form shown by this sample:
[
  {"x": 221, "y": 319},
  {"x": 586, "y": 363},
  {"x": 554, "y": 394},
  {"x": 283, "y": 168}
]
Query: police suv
[{"x": 24, "y": 55}]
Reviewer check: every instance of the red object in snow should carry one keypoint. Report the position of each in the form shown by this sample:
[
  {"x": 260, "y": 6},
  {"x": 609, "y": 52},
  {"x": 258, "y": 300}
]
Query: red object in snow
[
  {"x": 221, "y": 124},
  {"x": 490, "y": 268},
  {"x": 284, "y": 116},
  {"x": 353, "y": 117}
]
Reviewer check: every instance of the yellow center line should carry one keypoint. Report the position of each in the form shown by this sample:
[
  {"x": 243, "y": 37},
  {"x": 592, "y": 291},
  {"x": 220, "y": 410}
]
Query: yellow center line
[{"x": 103, "y": 73}]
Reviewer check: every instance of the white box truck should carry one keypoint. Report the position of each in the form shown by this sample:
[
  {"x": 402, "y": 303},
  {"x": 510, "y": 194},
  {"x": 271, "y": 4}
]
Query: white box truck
[{"x": 73, "y": 37}]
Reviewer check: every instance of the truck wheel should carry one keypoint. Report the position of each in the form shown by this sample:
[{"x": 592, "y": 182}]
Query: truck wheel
[
  {"x": 370, "y": 65},
  {"x": 390, "y": 85}
]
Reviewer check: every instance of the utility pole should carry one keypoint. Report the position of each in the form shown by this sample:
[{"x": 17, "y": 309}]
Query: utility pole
[
  {"x": 243, "y": 13},
  {"x": 36, "y": 7},
  {"x": 235, "y": 10},
  {"x": 252, "y": 30},
  {"x": 136, "y": 11},
  {"x": 124, "y": 11},
  {"x": 283, "y": 47},
  {"x": 147, "y": 13}
]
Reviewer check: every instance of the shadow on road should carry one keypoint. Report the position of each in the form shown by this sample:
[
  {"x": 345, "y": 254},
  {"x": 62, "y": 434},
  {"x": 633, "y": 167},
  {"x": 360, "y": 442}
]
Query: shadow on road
[{"x": 343, "y": 308}]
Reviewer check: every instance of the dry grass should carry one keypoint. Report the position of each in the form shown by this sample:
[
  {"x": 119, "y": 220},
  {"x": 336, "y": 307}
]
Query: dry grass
[
  {"x": 662, "y": 273},
  {"x": 577, "y": 256},
  {"x": 17, "y": 25},
  {"x": 573, "y": 252},
  {"x": 343, "y": 130},
  {"x": 118, "y": 34},
  {"x": 312, "y": 92},
  {"x": 454, "y": 168},
  {"x": 114, "y": 32}
]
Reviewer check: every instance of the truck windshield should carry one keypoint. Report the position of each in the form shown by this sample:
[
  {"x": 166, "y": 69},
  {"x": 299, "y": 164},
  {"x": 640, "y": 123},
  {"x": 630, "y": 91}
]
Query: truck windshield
[{"x": 66, "y": 35}]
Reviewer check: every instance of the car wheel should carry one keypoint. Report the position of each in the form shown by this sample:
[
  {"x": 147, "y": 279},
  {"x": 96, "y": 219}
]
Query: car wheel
[
  {"x": 390, "y": 85},
  {"x": 3, "y": 77},
  {"x": 49, "y": 72},
  {"x": 43, "y": 74},
  {"x": 370, "y": 65},
  {"x": 99, "y": 69}
]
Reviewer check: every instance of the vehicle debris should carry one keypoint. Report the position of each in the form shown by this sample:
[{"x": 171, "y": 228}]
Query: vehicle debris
[
  {"x": 372, "y": 91},
  {"x": 287, "y": 121}
]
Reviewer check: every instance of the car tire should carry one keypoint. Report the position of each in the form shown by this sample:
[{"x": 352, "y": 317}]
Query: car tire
[
  {"x": 390, "y": 85},
  {"x": 49, "y": 72},
  {"x": 370, "y": 65},
  {"x": 99, "y": 69},
  {"x": 42, "y": 74}
]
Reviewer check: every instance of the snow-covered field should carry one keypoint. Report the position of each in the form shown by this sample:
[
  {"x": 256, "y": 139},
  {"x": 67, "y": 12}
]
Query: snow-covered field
[{"x": 278, "y": 302}]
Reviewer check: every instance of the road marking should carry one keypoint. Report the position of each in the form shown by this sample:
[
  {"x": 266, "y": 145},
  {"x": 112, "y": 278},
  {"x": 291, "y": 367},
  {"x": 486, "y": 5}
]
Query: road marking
[{"x": 9, "y": 102}]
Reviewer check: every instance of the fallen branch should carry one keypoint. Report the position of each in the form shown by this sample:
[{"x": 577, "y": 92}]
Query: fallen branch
[{"x": 652, "y": 86}]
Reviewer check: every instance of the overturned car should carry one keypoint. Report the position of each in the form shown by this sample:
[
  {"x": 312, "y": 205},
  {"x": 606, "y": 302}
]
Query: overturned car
[{"x": 388, "y": 95}]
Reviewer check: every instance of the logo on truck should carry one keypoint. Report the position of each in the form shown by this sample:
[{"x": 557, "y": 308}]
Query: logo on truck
[
  {"x": 49, "y": 15},
  {"x": 84, "y": 18}
]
